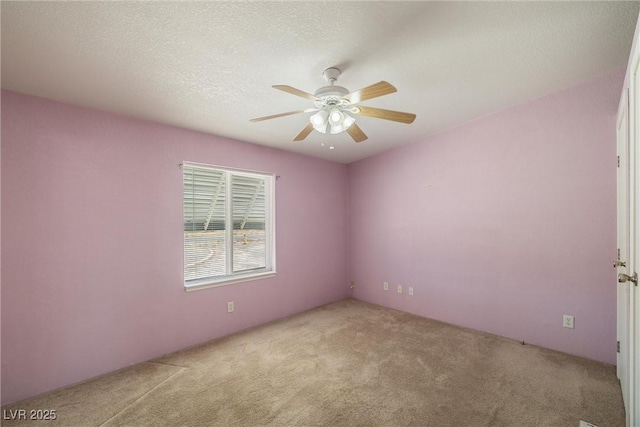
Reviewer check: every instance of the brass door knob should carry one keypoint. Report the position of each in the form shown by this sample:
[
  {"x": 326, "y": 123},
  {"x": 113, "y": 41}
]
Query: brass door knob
[
  {"x": 623, "y": 278},
  {"x": 617, "y": 264}
]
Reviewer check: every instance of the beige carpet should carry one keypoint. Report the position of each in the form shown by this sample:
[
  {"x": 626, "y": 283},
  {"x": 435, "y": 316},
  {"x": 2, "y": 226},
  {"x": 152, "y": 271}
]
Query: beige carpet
[{"x": 348, "y": 363}]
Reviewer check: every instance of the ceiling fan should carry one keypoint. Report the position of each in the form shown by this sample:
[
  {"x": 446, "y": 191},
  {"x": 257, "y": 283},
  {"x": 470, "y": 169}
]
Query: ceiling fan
[{"x": 334, "y": 107}]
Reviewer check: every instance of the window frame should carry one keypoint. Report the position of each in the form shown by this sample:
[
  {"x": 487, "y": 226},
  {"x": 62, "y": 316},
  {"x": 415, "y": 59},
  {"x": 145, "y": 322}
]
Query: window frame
[{"x": 270, "y": 201}]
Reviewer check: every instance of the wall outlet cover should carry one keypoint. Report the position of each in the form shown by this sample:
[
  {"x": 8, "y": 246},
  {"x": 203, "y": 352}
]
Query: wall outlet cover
[
  {"x": 385, "y": 286},
  {"x": 399, "y": 289},
  {"x": 568, "y": 321}
]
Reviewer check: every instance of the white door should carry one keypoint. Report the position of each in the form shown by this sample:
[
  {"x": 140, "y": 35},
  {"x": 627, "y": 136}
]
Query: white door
[{"x": 622, "y": 259}]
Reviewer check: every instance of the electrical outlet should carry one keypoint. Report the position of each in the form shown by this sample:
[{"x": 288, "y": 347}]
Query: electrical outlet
[
  {"x": 567, "y": 321},
  {"x": 399, "y": 289},
  {"x": 385, "y": 286},
  {"x": 411, "y": 290},
  {"x": 230, "y": 307}
]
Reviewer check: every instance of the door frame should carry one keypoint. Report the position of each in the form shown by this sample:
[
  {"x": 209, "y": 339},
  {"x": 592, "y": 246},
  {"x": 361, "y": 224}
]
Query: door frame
[
  {"x": 624, "y": 358},
  {"x": 634, "y": 223}
]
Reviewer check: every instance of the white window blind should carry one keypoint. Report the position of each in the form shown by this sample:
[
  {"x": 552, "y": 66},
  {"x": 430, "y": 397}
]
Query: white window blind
[{"x": 228, "y": 225}]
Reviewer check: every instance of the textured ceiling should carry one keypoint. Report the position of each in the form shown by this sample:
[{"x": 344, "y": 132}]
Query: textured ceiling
[{"x": 210, "y": 66}]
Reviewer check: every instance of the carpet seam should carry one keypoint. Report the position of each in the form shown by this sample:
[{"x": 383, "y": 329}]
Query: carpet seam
[
  {"x": 167, "y": 364},
  {"x": 143, "y": 395}
]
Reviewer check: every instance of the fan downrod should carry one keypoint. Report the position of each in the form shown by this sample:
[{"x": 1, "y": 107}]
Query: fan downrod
[
  {"x": 331, "y": 74},
  {"x": 333, "y": 93}
]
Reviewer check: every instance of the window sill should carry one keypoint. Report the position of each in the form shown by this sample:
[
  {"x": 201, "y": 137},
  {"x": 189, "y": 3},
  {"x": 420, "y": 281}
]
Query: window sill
[{"x": 204, "y": 284}]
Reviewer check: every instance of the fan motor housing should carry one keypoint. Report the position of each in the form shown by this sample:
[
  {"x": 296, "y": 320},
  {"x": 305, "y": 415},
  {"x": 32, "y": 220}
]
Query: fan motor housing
[{"x": 332, "y": 90}]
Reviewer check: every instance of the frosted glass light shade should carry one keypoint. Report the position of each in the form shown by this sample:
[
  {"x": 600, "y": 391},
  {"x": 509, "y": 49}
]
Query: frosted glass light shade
[
  {"x": 335, "y": 117},
  {"x": 319, "y": 121},
  {"x": 346, "y": 122}
]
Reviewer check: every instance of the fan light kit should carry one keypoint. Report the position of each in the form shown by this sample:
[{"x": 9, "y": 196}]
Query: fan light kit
[{"x": 334, "y": 107}]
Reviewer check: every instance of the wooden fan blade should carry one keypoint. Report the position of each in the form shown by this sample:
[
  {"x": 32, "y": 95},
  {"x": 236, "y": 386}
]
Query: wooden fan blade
[
  {"x": 275, "y": 116},
  {"x": 373, "y": 91},
  {"x": 297, "y": 92},
  {"x": 305, "y": 132},
  {"x": 379, "y": 113},
  {"x": 356, "y": 133}
]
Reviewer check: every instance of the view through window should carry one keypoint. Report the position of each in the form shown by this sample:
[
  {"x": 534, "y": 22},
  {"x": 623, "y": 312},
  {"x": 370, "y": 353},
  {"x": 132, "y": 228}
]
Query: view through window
[{"x": 227, "y": 224}]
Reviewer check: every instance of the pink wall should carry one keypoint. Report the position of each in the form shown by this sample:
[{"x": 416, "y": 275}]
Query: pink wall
[
  {"x": 502, "y": 224},
  {"x": 92, "y": 242}
]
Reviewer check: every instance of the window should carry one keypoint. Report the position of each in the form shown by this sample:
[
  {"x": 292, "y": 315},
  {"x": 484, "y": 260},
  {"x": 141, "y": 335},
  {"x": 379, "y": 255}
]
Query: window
[{"x": 228, "y": 226}]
